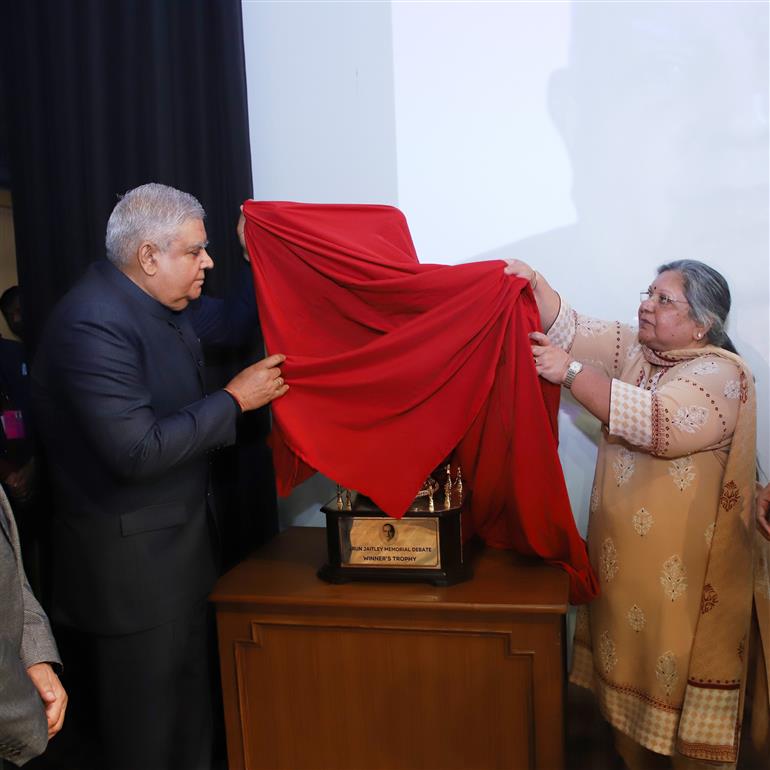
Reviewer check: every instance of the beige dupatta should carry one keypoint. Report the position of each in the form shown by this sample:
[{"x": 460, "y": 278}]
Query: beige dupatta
[{"x": 710, "y": 723}]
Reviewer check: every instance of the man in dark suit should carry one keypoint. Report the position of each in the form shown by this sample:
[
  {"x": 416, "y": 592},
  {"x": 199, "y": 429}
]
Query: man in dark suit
[
  {"x": 32, "y": 699},
  {"x": 119, "y": 395}
]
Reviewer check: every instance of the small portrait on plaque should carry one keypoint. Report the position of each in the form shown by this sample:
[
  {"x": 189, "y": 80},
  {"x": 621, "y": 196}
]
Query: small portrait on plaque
[{"x": 388, "y": 532}]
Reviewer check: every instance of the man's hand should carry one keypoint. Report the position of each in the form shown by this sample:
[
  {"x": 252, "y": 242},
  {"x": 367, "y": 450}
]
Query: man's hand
[
  {"x": 258, "y": 384},
  {"x": 763, "y": 511},
  {"x": 51, "y": 693}
]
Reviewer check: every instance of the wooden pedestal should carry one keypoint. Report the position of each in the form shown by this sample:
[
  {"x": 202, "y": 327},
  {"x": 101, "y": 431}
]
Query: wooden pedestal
[{"x": 390, "y": 676}]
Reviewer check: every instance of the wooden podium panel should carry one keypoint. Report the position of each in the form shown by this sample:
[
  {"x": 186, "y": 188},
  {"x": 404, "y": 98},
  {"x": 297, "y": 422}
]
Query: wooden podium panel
[{"x": 390, "y": 676}]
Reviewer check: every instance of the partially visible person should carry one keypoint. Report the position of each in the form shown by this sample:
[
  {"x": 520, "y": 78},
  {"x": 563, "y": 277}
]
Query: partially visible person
[
  {"x": 10, "y": 307},
  {"x": 670, "y": 530},
  {"x": 118, "y": 384},
  {"x": 18, "y": 462},
  {"x": 17, "y": 466},
  {"x": 759, "y": 699},
  {"x": 32, "y": 699}
]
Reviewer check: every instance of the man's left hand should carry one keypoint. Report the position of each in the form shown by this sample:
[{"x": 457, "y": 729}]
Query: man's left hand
[{"x": 52, "y": 694}]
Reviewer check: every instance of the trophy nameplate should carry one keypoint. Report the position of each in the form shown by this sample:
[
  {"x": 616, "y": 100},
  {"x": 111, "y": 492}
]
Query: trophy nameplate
[
  {"x": 425, "y": 544},
  {"x": 409, "y": 543}
]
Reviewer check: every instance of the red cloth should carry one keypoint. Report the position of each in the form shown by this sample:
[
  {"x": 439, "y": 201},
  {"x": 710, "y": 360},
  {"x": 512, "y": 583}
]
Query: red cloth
[{"x": 394, "y": 365}]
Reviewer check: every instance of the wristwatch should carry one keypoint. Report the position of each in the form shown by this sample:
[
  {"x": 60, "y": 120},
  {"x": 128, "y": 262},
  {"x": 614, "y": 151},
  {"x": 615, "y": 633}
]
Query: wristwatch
[{"x": 573, "y": 370}]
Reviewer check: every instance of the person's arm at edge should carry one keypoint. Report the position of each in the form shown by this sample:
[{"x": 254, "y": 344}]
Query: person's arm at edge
[
  {"x": 38, "y": 649},
  {"x": 763, "y": 511},
  {"x": 232, "y": 321},
  {"x": 228, "y": 322}
]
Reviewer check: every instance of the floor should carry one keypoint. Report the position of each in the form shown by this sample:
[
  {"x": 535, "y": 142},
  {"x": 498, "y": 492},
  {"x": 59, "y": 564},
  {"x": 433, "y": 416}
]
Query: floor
[{"x": 589, "y": 738}]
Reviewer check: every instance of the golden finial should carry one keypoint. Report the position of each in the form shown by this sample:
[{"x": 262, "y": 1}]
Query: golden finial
[{"x": 339, "y": 497}]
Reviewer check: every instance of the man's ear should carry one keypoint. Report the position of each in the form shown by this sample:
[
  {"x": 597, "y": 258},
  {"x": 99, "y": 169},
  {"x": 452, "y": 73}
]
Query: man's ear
[{"x": 145, "y": 256}]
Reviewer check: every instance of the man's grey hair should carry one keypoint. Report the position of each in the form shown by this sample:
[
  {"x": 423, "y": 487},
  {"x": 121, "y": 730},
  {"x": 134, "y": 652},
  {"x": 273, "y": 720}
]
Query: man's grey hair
[
  {"x": 708, "y": 295},
  {"x": 152, "y": 212}
]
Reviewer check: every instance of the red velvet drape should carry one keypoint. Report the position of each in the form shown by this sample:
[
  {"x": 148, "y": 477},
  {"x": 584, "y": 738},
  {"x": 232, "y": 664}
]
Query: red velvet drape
[{"x": 394, "y": 365}]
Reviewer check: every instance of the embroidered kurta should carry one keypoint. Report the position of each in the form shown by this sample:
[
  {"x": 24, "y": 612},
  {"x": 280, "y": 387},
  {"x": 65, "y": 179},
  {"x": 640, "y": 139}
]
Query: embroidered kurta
[{"x": 660, "y": 483}]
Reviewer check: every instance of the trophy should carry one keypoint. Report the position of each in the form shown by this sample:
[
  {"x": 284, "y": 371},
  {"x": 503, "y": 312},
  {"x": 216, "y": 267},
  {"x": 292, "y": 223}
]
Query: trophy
[{"x": 364, "y": 543}]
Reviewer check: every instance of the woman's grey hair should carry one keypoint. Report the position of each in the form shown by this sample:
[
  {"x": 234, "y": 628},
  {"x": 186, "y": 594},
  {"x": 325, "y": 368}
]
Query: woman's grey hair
[
  {"x": 152, "y": 212},
  {"x": 708, "y": 295}
]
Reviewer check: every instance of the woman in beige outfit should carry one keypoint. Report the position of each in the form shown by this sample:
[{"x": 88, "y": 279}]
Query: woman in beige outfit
[{"x": 671, "y": 533}]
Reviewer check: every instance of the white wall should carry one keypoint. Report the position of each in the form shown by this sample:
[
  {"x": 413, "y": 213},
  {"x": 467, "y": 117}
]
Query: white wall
[
  {"x": 320, "y": 91},
  {"x": 479, "y": 159},
  {"x": 594, "y": 140}
]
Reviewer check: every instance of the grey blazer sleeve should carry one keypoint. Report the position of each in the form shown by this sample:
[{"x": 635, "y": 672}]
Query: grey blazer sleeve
[
  {"x": 25, "y": 639},
  {"x": 37, "y": 642},
  {"x": 23, "y": 724}
]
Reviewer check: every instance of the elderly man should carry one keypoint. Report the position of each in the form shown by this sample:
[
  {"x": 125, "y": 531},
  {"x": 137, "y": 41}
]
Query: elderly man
[
  {"x": 32, "y": 699},
  {"x": 118, "y": 389}
]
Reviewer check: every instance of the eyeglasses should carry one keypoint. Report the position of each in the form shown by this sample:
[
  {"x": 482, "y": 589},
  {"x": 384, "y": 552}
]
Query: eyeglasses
[{"x": 662, "y": 299}]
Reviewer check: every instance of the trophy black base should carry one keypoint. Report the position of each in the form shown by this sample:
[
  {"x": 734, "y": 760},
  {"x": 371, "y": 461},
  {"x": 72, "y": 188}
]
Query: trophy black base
[
  {"x": 365, "y": 544},
  {"x": 341, "y": 575}
]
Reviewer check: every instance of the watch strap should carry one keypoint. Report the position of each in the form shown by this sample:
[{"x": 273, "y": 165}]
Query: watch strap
[{"x": 573, "y": 370}]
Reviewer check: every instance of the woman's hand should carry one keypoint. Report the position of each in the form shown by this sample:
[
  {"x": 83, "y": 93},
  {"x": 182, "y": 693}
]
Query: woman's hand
[
  {"x": 591, "y": 388},
  {"x": 548, "y": 301},
  {"x": 763, "y": 511},
  {"x": 550, "y": 362},
  {"x": 521, "y": 270}
]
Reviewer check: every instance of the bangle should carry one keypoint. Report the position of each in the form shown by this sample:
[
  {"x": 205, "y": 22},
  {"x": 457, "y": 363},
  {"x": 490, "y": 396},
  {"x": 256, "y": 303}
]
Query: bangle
[{"x": 533, "y": 280}]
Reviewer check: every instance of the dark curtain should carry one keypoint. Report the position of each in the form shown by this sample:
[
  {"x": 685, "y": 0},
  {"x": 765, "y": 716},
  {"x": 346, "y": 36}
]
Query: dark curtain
[
  {"x": 104, "y": 96},
  {"x": 99, "y": 98},
  {"x": 5, "y": 173}
]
